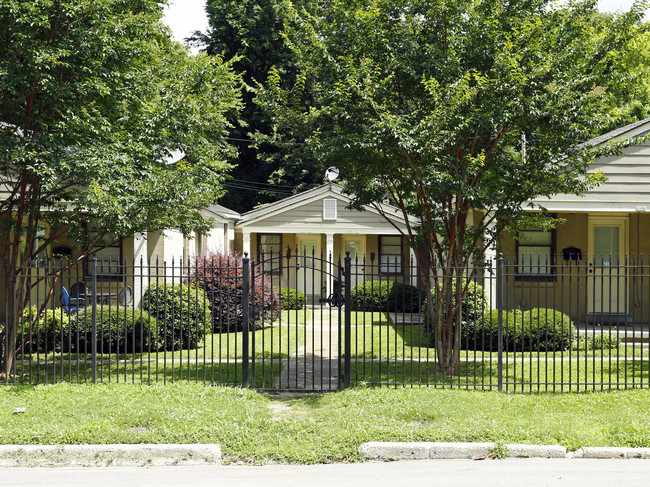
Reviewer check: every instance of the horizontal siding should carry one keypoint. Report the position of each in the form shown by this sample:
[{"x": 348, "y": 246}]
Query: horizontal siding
[
  {"x": 311, "y": 215},
  {"x": 628, "y": 179}
]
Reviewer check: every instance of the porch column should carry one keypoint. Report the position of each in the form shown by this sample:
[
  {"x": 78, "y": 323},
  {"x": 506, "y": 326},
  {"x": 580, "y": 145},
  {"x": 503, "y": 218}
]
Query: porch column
[
  {"x": 491, "y": 286},
  {"x": 140, "y": 273},
  {"x": 412, "y": 266},
  {"x": 329, "y": 255},
  {"x": 247, "y": 242}
]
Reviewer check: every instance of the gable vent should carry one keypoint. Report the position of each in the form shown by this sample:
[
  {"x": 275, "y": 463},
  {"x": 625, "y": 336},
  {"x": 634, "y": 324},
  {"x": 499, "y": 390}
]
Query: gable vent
[{"x": 329, "y": 209}]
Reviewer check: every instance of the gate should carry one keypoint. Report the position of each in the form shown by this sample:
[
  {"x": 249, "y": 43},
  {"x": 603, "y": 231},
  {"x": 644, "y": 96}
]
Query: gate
[{"x": 299, "y": 322}]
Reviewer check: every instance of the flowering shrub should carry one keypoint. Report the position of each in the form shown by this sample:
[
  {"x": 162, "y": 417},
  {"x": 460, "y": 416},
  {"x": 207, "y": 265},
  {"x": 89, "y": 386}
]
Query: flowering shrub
[{"x": 221, "y": 277}]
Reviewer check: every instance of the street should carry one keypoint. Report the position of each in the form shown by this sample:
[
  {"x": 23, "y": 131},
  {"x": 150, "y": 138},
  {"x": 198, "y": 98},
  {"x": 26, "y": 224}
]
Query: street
[{"x": 510, "y": 472}]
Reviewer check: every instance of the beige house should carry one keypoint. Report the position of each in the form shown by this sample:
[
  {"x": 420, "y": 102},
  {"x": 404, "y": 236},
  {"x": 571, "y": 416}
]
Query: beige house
[
  {"x": 317, "y": 222},
  {"x": 602, "y": 228}
]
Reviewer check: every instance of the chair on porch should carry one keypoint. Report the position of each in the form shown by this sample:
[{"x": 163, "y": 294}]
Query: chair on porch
[
  {"x": 125, "y": 296},
  {"x": 71, "y": 304}
]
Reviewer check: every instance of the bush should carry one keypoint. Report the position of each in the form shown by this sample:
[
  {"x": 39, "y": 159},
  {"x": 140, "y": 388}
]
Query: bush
[
  {"x": 537, "y": 330},
  {"x": 473, "y": 304},
  {"x": 482, "y": 333},
  {"x": 119, "y": 330},
  {"x": 182, "y": 313},
  {"x": 596, "y": 342},
  {"x": 45, "y": 334},
  {"x": 547, "y": 330},
  {"x": 386, "y": 296},
  {"x": 221, "y": 277},
  {"x": 291, "y": 298}
]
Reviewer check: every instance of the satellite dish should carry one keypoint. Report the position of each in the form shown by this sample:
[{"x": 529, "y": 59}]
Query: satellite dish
[{"x": 332, "y": 173}]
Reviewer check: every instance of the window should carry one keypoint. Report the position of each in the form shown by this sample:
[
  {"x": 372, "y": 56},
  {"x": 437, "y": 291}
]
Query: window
[
  {"x": 269, "y": 251},
  {"x": 390, "y": 254},
  {"x": 329, "y": 209},
  {"x": 535, "y": 253},
  {"x": 108, "y": 254}
]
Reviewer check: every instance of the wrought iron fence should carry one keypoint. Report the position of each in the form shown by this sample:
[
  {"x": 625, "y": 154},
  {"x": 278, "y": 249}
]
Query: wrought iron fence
[{"x": 307, "y": 322}]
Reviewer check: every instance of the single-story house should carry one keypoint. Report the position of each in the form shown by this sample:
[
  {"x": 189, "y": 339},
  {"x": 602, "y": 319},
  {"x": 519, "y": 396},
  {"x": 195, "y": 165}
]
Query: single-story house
[
  {"x": 319, "y": 222},
  {"x": 601, "y": 229}
]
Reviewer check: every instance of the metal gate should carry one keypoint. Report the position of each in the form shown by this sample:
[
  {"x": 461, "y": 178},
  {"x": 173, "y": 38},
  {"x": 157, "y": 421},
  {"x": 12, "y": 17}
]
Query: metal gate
[{"x": 299, "y": 322}]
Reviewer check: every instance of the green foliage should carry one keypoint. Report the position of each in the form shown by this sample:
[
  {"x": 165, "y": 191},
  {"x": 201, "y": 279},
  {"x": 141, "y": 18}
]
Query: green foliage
[
  {"x": 474, "y": 302},
  {"x": 596, "y": 342},
  {"x": 386, "y": 296},
  {"x": 119, "y": 330},
  {"x": 182, "y": 314},
  {"x": 536, "y": 330},
  {"x": 547, "y": 330},
  {"x": 291, "y": 298},
  {"x": 42, "y": 334}
]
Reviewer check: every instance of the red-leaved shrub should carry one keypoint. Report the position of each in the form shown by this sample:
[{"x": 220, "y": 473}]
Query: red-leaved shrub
[{"x": 221, "y": 276}]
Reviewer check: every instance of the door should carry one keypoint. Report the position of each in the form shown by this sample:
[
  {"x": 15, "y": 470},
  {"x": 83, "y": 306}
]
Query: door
[
  {"x": 356, "y": 245},
  {"x": 608, "y": 245},
  {"x": 308, "y": 268}
]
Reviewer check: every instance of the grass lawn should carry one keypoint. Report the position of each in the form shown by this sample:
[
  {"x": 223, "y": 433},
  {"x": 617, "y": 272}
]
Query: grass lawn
[{"x": 261, "y": 428}]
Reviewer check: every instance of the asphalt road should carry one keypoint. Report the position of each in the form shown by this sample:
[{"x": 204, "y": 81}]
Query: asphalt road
[{"x": 510, "y": 472}]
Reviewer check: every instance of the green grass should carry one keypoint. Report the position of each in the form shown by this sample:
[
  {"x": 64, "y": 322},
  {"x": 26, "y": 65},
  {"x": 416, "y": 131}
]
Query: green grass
[{"x": 259, "y": 428}]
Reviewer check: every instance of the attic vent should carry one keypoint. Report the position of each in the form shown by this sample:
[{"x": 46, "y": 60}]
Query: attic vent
[{"x": 329, "y": 209}]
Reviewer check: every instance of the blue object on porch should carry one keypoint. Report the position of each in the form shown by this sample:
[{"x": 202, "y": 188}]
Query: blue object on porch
[{"x": 71, "y": 304}]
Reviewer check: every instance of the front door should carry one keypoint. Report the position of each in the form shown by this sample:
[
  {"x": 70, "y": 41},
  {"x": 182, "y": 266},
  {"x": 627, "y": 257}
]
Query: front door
[
  {"x": 308, "y": 269},
  {"x": 608, "y": 244}
]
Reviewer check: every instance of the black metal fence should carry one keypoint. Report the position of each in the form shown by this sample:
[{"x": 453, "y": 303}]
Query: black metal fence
[{"x": 306, "y": 322}]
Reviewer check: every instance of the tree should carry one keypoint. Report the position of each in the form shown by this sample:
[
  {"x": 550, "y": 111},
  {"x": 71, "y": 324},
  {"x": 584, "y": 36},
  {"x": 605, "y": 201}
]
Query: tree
[
  {"x": 427, "y": 102},
  {"x": 251, "y": 32},
  {"x": 94, "y": 96}
]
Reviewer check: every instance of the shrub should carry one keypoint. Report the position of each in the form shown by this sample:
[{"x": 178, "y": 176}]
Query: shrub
[
  {"x": 182, "y": 313},
  {"x": 531, "y": 331},
  {"x": 482, "y": 333},
  {"x": 547, "y": 330},
  {"x": 221, "y": 277},
  {"x": 119, "y": 330},
  {"x": 386, "y": 296},
  {"x": 291, "y": 298},
  {"x": 45, "y": 334},
  {"x": 596, "y": 342},
  {"x": 474, "y": 303}
]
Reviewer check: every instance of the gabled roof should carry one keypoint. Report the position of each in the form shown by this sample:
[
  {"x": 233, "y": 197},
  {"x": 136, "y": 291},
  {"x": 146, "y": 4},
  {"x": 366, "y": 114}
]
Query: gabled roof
[
  {"x": 635, "y": 129},
  {"x": 223, "y": 212},
  {"x": 319, "y": 192}
]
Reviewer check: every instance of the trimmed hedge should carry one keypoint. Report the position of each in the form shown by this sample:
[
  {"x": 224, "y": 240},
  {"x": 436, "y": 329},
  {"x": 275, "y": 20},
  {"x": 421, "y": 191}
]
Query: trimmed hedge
[
  {"x": 182, "y": 314},
  {"x": 45, "y": 334},
  {"x": 291, "y": 298},
  {"x": 540, "y": 329},
  {"x": 386, "y": 296},
  {"x": 119, "y": 330}
]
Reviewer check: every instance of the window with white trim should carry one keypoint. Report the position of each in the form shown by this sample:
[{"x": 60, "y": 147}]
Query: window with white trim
[{"x": 390, "y": 254}]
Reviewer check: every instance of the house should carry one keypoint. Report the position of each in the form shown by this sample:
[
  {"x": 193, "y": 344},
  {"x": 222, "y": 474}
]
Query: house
[
  {"x": 601, "y": 229},
  {"x": 318, "y": 222}
]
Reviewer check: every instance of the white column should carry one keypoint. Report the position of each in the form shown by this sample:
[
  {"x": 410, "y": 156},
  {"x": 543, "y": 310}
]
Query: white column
[
  {"x": 491, "y": 286},
  {"x": 413, "y": 267},
  {"x": 140, "y": 272},
  {"x": 329, "y": 255},
  {"x": 247, "y": 242}
]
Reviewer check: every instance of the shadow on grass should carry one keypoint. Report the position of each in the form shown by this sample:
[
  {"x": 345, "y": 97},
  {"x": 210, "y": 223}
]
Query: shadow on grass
[{"x": 144, "y": 373}]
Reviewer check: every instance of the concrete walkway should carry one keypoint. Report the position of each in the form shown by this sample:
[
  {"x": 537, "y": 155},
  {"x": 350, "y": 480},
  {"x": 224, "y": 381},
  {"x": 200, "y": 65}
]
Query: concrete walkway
[{"x": 314, "y": 367}]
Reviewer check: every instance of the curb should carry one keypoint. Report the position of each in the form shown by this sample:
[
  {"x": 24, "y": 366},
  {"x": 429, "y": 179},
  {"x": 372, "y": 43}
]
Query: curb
[
  {"x": 377, "y": 450},
  {"x": 612, "y": 452},
  {"x": 432, "y": 450},
  {"x": 103, "y": 455}
]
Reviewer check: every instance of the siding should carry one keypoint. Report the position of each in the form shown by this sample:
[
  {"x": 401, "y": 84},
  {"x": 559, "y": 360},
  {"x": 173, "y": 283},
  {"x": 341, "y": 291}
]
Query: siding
[{"x": 628, "y": 180}]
